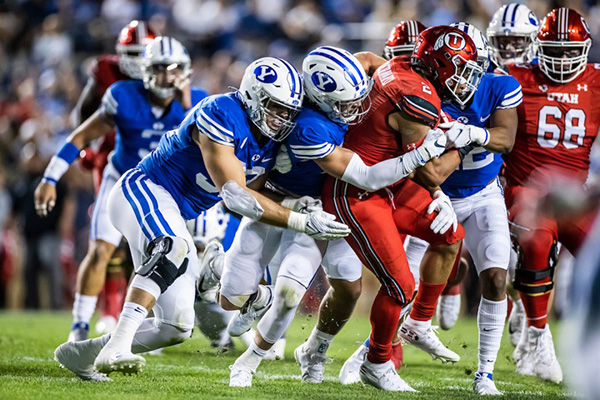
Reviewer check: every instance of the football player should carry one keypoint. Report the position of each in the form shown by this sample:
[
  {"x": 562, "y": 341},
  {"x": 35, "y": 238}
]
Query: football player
[
  {"x": 107, "y": 69},
  {"x": 337, "y": 88},
  {"x": 558, "y": 122},
  {"x": 226, "y": 142},
  {"x": 406, "y": 103},
  {"x": 402, "y": 39},
  {"x": 511, "y": 34}
]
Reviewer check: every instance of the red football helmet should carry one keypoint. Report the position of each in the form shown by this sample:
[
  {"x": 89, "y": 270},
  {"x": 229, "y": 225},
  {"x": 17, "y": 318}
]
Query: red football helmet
[
  {"x": 448, "y": 58},
  {"x": 402, "y": 39},
  {"x": 563, "y": 44},
  {"x": 131, "y": 43}
]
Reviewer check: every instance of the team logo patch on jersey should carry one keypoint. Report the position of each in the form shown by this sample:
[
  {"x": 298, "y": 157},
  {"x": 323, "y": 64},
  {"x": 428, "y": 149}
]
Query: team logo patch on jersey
[
  {"x": 265, "y": 74},
  {"x": 463, "y": 120},
  {"x": 323, "y": 81},
  {"x": 158, "y": 126},
  {"x": 255, "y": 157}
]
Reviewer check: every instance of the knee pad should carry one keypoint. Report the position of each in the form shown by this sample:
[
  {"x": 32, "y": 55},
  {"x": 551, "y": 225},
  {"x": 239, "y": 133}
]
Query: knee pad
[
  {"x": 288, "y": 292},
  {"x": 166, "y": 262},
  {"x": 173, "y": 334},
  {"x": 527, "y": 280}
]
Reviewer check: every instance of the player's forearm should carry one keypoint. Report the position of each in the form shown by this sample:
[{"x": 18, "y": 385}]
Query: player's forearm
[
  {"x": 502, "y": 140},
  {"x": 437, "y": 170}
]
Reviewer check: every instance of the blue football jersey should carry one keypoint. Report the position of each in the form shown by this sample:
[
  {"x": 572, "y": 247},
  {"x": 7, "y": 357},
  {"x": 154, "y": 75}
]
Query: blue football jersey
[
  {"x": 315, "y": 136},
  {"x": 214, "y": 223},
  {"x": 177, "y": 163},
  {"x": 495, "y": 92},
  {"x": 138, "y": 128}
]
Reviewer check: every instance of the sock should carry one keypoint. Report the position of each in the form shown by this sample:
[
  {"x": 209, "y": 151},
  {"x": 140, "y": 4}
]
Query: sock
[
  {"x": 318, "y": 342},
  {"x": 385, "y": 314},
  {"x": 397, "y": 355},
  {"x": 536, "y": 308},
  {"x": 83, "y": 308},
  {"x": 130, "y": 320},
  {"x": 490, "y": 321},
  {"x": 263, "y": 297},
  {"x": 252, "y": 356},
  {"x": 113, "y": 297},
  {"x": 426, "y": 301}
]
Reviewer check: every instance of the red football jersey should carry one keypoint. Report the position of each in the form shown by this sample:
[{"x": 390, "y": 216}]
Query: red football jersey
[
  {"x": 106, "y": 72},
  {"x": 557, "y": 124},
  {"x": 396, "y": 87}
]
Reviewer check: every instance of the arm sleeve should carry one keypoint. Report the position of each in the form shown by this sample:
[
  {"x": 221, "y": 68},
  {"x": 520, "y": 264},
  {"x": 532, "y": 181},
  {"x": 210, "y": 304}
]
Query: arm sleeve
[
  {"x": 210, "y": 121},
  {"x": 308, "y": 144},
  {"x": 512, "y": 95},
  {"x": 419, "y": 108},
  {"x": 110, "y": 101}
]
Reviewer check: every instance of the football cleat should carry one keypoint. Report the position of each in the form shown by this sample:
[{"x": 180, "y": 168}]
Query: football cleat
[
  {"x": 276, "y": 352},
  {"x": 426, "y": 340},
  {"x": 312, "y": 365},
  {"x": 545, "y": 363},
  {"x": 447, "y": 310},
  {"x": 240, "y": 375},
  {"x": 79, "y": 331},
  {"x": 522, "y": 354},
  {"x": 208, "y": 283},
  {"x": 78, "y": 357},
  {"x": 484, "y": 385},
  {"x": 243, "y": 320},
  {"x": 349, "y": 373},
  {"x": 111, "y": 360},
  {"x": 516, "y": 322},
  {"x": 384, "y": 377}
]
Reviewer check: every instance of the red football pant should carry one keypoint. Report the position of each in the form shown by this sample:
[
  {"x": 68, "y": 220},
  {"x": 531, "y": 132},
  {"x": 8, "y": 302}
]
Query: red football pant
[{"x": 378, "y": 223}]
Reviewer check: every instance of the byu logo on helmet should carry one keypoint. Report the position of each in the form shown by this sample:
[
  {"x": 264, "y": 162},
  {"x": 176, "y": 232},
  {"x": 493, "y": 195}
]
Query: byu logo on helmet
[
  {"x": 455, "y": 41},
  {"x": 323, "y": 81},
  {"x": 533, "y": 19},
  {"x": 265, "y": 73}
]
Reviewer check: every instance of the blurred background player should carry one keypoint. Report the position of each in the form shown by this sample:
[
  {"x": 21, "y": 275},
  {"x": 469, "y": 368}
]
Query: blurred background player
[
  {"x": 141, "y": 112},
  {"x": 558, "y": 122},
  {"x": 511, "y": 35},
  {"x": 107, "y": 69},
  {"x": 402, "y": 39}
]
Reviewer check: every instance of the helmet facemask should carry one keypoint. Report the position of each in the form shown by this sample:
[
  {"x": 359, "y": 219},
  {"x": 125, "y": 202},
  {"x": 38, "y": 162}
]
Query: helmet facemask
[
  {"x": 275, "y": 119},
  {"x": 511, "y": 48},
  {"x": 465, "y": 80},
  {"x": 162, "y": 79},
  {"x": 130, "y": 60},
  {"x": 561, "y": 61}
]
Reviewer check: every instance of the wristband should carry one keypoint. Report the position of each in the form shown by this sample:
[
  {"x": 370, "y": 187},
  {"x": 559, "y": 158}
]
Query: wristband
[
  {"x": 69, "y": 152},
  {"x": 297, "y": 222}
]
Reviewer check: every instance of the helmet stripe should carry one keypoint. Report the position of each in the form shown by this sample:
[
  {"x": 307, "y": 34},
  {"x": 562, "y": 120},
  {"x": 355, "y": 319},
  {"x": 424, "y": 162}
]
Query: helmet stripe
[
  {"x": 514, "y": 15},
  {"x": 162, "y": 47},
  {"x": 292, "y": 73},
  {"x": 505, "y": 15},
  {"x": 338, "y": 62},
  {"x": 359, "y": 70}
]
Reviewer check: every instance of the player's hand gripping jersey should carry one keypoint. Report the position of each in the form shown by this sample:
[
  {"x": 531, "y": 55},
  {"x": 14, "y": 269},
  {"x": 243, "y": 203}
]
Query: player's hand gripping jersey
[
  {"x": 397, "y": 87},
  {"x": 139, "y": 127},
  {"x": 557, "y": 123},
  {"x": 177, "y": 163}
]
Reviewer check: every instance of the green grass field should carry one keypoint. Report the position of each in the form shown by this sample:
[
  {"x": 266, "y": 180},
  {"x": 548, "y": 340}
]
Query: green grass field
[{"x": 193, "y": 370}]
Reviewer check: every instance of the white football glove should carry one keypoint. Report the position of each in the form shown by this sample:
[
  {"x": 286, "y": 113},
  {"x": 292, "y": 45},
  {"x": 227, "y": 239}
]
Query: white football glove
[
  {"x": 183, "y": 82},
  {"x": 283, "y": 162},
  {"x": 304, "y": 204},
  {"x": 461, "y": 135},
  {"x": 433, "y": 145},
  {"x": 322, "y": 226},
  {"x": 446, "y": 217}
]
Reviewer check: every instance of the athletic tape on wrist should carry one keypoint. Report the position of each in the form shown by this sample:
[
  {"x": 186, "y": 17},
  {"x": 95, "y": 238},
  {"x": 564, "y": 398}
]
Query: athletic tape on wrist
[{"x": 297, "y": 221}]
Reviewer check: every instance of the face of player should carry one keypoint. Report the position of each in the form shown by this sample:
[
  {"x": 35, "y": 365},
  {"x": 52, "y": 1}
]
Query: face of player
[
  {"x": 166, "y": 75},
  {"x": 276, "y": 115},
  {"x": 562, "y": 53},
  {"x": 350, "y": 109},
  {"x": 510, "y": 47}
]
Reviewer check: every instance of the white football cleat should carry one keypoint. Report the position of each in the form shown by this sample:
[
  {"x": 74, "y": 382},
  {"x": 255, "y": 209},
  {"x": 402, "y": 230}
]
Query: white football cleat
[
  {"x": 243, "y": 320},
  {"x": 79, "y": 332},
  {"x": 447, "y": 310},
  {"x": 384, "y": 377},
  {"x": 106, "y": 324},
  {"x": 312, "y": 365},
  {"x": 425, "y": 339},
  {"x": 522, "y": 355},
  {"x": 78, "y": 357},
  {"x": 516, "y": 322},
  {"x": 484, "y": 385},
  {"x": 113, "y": 360},
  {"x": 277, "y": 351},
  {"x": 209, "y": 280},
  {"x": 240, "y": 375},
  {"x": 350, "y": 372},
  {"x": 545, "y": 363}
]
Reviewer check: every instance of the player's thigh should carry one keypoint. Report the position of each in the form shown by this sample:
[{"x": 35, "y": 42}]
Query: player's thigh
[
  {"x": 340, "y": 261},
  {"x": 254, "y": 245},
  {"x": 487, "y": 235},
  {"x": 301, "y": 257},
  {"x": 100, "y": 225}
]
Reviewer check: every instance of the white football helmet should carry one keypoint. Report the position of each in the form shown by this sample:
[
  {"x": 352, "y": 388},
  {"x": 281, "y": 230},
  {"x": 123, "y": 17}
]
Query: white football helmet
[
  {"x": 167, "y": 55},
  {"x": 337, "y": 83},
  {"x": 483, "y": 48},
  {"x": 518, "y": 25},
  {"x": 272, "y": 92}
]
